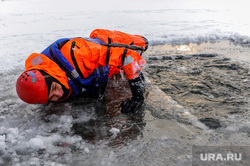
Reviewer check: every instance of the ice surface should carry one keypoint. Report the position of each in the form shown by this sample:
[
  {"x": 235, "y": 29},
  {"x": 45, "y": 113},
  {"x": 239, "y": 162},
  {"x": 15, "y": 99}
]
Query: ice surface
[{"x": 27, "y": 28}]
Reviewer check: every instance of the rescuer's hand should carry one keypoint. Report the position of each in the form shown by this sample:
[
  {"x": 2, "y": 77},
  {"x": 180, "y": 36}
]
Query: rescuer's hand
[{"x": 137, "y": 86}]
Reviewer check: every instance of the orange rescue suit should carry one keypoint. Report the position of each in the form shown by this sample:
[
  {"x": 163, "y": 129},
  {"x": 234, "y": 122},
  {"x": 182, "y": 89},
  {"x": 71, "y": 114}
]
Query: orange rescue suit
[{"x": 89, "y": 55}]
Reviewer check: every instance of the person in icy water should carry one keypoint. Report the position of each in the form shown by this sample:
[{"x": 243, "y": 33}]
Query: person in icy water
[{"x": 72, "y": 67}]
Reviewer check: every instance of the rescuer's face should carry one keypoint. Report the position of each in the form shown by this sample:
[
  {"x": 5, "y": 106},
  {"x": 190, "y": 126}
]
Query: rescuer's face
[{"x": 56, "y": 92}]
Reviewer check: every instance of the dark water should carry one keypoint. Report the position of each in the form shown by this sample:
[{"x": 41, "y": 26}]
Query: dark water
[{"x": 211, "y": 87}]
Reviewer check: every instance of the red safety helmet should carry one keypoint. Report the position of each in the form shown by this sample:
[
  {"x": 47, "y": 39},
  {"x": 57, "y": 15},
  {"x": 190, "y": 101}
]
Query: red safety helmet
[{"x": 31, "y": 87}]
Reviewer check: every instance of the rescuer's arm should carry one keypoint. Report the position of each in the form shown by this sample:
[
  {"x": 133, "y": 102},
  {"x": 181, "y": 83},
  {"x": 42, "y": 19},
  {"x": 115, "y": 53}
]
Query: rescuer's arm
[{"x": 137, "y": 86}]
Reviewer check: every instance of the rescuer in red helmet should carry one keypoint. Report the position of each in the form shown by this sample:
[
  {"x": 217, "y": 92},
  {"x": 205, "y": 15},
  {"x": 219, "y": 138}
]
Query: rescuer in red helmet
[
  {"x": 81, "y": 66},
  {"x": 36, "y": 86}
]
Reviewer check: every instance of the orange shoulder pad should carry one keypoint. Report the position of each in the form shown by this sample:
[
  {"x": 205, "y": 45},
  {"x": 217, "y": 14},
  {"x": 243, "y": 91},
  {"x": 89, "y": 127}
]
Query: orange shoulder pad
[{"x": 42, "y": 62}]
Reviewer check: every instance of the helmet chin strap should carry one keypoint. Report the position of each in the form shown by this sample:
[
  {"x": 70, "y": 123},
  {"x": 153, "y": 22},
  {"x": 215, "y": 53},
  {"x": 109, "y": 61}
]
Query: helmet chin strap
[{"x": 65, "y": 93}]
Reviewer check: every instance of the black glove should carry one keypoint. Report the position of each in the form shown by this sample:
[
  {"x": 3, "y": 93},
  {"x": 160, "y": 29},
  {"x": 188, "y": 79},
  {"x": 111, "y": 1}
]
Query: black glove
[{"x": 137, "y": 87}]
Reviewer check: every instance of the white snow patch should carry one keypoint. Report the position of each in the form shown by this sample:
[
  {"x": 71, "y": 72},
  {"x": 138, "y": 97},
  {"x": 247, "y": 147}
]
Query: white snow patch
[
  {"x": 2, "y": 142},
  {"x": 86, "y": 150},
  {"x": 37, "y": 142},
  {"x": 115, "y": 131}
]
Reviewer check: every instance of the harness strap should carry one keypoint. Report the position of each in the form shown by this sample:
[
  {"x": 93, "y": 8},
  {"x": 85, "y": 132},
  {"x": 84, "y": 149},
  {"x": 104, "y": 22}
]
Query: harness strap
[
  {"x": 57, "y": 61},
  {"x": 146, "y": 42},
  {"x": 74, "y": 59},
  {"x": 69, "y": 74},
  {"x": 124, "y": 55},
  {"x": 108, "y": 50},
  {"x": 60, "y": 45},
  {"x": 132, "y": 47},
  {"x": 101, "y": 70}
]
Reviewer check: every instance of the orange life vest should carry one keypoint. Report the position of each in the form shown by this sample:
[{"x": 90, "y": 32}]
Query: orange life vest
[
  {"x": 81, "y": 57},
  {"x": 90, "y": 55}
]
